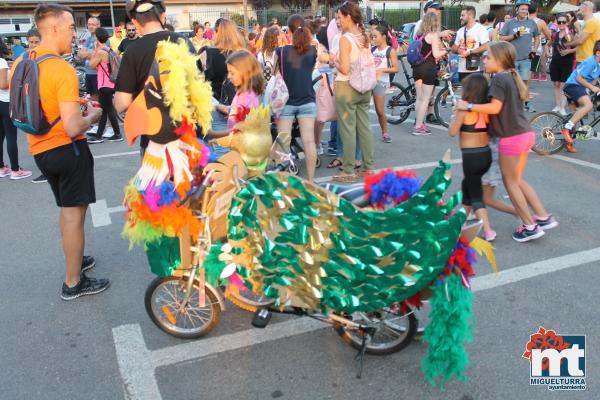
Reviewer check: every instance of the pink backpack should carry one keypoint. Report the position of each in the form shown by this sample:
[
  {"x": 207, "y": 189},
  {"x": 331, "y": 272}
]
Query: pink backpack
[{"x": 362, "y": 72}]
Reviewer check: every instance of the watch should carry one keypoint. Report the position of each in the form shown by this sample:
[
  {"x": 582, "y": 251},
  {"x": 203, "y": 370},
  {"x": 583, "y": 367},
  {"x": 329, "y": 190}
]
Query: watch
[{"x": 470, "y": 107}]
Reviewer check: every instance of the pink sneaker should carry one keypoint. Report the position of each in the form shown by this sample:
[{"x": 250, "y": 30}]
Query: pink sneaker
[
  {"x": 20, "y": 174},
  {"x": 421, "y": 131},
  {"x": 490, "y": 235},
  {"x": 4, "y": 172}
]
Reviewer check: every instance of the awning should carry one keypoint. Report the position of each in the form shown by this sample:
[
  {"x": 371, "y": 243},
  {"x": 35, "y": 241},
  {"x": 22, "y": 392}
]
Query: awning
[{"x": 564, "y": 7}]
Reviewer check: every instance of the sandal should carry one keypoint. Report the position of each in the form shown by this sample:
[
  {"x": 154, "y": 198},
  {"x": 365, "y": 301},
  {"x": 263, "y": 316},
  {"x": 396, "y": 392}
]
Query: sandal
[
  {"x": 386, "y": 138},
  {"x": 345, "y": 178},
  {"x": 336, "y": 162},
  {"x": 358, "y": 165}
]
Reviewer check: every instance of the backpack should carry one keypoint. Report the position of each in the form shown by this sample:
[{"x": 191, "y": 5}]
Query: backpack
[
  {"x": 114, "y": 62},
  {"x": 413, "y": 54},
  {"x": 25, "y": 102},
  {"x": 363, "y": 77},
  {"x": 228, "y": 92},
  {"x": 388, "y": 57}
]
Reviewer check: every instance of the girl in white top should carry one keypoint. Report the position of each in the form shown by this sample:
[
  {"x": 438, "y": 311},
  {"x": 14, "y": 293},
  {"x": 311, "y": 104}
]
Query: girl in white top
[
  {"x": 266, "y": 56},
  {"x": 7, "y": 129},
  {"x": 386, "y": 62}
]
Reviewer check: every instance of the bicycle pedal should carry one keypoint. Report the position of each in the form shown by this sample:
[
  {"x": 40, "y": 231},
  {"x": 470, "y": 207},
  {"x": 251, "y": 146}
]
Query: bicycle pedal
[{"x": 261, "y": 318}]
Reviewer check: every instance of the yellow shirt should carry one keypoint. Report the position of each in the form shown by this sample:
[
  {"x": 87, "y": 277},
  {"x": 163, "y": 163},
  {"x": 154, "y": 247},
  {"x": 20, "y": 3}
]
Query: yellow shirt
[
  {"x": 114, "y": 43},
  {"x": 586, "y": 49}
]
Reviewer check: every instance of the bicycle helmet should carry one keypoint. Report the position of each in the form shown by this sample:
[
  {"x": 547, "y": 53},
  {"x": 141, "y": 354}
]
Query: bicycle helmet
[
  {"x": 133, "y": 7},
  {"x": 519, "y": 3}
]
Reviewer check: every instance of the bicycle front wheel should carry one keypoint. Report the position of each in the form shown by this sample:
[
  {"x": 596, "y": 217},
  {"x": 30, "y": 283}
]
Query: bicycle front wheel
[
  {"x": 399, "y": 102},
  {"x": 443, "y": 106},
  {"x": 548, "y": 133},
  {"x": 164, "y": 299}
]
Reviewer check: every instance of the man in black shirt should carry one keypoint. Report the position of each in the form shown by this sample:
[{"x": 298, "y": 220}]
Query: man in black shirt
[
  {"x": 131, "y": 37},
  {"x": 149, "y": 19}
]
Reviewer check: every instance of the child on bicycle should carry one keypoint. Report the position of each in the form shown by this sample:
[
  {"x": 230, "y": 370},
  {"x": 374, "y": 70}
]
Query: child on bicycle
[
  {"x": 472, "y": 128},
  {"x": 508, "y": 122},
  {"x": 583, "y": 77}
]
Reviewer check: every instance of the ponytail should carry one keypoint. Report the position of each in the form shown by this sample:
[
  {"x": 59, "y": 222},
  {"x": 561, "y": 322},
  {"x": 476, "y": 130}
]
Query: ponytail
[
  {"x": 362, "y": 29},
  {"x": 505, "y": 54},
  {"x": 521, "y": 86}
]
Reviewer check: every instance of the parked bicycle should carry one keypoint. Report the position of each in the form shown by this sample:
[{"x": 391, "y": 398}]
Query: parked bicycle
[{"x": 403, "y": 98}]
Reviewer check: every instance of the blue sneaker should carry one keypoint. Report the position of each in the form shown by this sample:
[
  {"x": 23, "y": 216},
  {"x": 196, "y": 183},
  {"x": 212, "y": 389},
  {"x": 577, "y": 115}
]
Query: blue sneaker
[{"x": 522, "y": 234}]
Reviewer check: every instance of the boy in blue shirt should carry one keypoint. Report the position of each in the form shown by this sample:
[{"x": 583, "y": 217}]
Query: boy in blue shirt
[{"x": 583, "y": 77}]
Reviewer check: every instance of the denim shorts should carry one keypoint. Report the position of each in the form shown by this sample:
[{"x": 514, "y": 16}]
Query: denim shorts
[
  {"x": 574, "y": 92},
  {"x": 380, "y": 88},
  {"x": 308, "y": 110},
  {"x": 524, "y": 68}
]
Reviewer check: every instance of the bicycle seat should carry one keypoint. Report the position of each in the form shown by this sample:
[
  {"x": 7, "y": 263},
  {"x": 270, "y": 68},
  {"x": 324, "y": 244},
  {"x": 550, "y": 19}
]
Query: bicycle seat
[{"x": 349, "y": 192}]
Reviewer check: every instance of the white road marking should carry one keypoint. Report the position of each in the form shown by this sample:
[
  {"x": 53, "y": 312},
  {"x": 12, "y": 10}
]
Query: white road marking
[
  {"x": 411, "y": 166},
  {"x": 137, "y": 364},
  {"x": 576, "y": 161},
  {"x": 110, "y": 155},
  {"x": 101, "y": 213}
]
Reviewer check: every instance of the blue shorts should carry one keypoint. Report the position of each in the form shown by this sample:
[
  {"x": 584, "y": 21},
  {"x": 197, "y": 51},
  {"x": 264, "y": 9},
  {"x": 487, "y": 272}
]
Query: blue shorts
[
  {"x": 574, "y": 92},
  {"x": 524, "y": 68},
  {"x": 308, "y": 110}
]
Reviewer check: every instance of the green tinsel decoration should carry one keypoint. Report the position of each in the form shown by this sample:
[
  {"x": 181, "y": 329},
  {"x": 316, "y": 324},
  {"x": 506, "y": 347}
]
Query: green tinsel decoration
[
  {"x": 212, "y": 265},
  {"x": 449, "y": 329}
]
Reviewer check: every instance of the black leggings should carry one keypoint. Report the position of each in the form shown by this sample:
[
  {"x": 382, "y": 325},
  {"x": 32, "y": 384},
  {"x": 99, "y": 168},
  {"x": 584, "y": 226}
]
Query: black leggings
[
  {"x": 8, "y": 130},
  {"x": 105, "y": 98},
  {"x": 476, "y": 162}
]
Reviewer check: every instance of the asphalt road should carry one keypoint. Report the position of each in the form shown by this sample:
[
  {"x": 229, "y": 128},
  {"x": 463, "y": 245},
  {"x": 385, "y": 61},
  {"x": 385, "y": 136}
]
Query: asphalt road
[{"x": 105, "y": 346}]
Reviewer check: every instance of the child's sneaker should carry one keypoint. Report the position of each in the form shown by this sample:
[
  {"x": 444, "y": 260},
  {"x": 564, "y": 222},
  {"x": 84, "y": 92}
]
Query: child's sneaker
[
  {"x": 421, "y": 131},
  {"x": 19, "y": 174},
  {"x": 522, "y": 234},
  {"x": 490, "y": 235},
  {"x": 545, "y": 224},
  {"x": 5, "y": 171}
]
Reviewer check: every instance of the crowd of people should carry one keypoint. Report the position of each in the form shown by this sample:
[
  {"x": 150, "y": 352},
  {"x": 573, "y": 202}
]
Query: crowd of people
[{"x": 497, "y": 57}]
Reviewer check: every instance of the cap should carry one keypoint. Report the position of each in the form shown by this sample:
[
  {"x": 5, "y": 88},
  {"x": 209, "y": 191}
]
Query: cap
[{"x": 433, "y": 4}]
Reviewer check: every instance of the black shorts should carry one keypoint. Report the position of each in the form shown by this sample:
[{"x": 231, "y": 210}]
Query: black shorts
[
  {"x": 71, "y": 176},
  {"x": 91, "y": 83},
  {"x": 427, "y": 72}
]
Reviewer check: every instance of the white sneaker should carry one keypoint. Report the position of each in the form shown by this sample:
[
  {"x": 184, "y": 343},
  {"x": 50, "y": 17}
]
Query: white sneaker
[
  {"x": 108, "y": 132},
  {"x": 563, "y": 112},
  {"x": 93, "y": 130},
  {"x": 556, "y": 109}
]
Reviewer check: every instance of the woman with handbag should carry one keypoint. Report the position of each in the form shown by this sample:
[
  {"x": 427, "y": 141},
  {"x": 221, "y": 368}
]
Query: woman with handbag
[
  {"x": 352, "y": 105},
  {"x": 296, "y": 63}
]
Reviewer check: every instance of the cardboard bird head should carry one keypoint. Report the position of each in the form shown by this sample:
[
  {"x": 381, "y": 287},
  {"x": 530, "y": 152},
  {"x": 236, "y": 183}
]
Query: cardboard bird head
[{"x": 174, "y": 92}]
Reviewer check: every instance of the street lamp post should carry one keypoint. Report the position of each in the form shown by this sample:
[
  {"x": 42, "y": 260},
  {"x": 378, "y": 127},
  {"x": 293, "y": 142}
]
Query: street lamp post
[{"x": 112, "y": 13}]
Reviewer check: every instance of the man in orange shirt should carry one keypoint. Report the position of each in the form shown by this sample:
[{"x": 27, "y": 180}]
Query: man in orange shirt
[{"x": 63, "y": 154}]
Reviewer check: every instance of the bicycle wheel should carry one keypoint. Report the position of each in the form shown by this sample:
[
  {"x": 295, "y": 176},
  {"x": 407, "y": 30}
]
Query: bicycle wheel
[
  {"x": 393, "y": 331},
  {"x": 399, "y": 102},
  {"x": 444, "y": 104},
  {"x": 163, "y": 302},
  {"x": 548, "y": 136},
  {"x": 248, "y": 300}
]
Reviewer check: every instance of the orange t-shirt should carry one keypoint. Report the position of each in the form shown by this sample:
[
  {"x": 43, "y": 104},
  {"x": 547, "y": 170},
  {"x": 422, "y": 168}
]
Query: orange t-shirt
[{"x": 58, "y": 84}]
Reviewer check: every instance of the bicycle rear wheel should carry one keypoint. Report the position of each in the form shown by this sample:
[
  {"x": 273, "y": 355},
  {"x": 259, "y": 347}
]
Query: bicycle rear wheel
[
  {"x": 393, "y": 331},
  {"x": 399, "y": 102},
  {"x": 548, "y": 136}
]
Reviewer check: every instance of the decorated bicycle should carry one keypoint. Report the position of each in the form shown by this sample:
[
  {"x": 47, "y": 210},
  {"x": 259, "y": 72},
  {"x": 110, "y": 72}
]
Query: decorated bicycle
[{"x": 362, "y": 257}]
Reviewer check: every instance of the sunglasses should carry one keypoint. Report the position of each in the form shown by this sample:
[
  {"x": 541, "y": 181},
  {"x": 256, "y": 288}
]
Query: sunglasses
[
  {"x": 561, "y": 22},
  {"x": 130, "y": 30}
]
